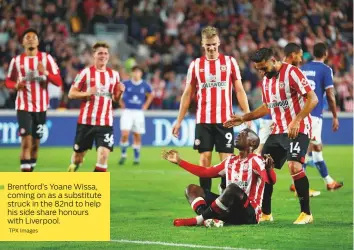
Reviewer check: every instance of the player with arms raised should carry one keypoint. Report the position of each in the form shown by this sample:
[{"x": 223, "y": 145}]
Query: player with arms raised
[
  {"x": 212, "y": 77},
  {"x": 289, "y": 98},
  {"x": 30, "y": 73},
  {"x": 97, "y": 86},
  {"x": 245, "y": 175}
]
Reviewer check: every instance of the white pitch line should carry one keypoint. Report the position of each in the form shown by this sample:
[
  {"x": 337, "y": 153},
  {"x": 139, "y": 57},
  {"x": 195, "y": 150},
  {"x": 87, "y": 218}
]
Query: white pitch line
[{"x": 177, "y": 244}]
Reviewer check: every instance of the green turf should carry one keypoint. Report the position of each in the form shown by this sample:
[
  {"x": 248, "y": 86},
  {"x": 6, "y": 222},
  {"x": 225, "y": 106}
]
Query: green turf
[{"x": 145, "y": 199}]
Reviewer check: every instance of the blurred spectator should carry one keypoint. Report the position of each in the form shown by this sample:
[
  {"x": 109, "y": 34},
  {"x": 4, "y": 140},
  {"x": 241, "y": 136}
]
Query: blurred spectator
[{"x": 165, "y": 37}]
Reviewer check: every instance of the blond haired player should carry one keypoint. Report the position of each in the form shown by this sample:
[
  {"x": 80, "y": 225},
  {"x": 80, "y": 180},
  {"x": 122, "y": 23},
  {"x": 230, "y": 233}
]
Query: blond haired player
[{"x": 212, "y": 77}]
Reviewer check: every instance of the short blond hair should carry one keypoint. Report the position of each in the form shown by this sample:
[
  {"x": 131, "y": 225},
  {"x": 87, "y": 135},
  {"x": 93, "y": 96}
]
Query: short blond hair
[
  {"x": 99, "y": 45},
  {"x": 209, "y": 32}
]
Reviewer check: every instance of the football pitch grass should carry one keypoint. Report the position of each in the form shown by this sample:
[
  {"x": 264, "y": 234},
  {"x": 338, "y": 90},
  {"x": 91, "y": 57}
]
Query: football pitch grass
[{"x": 146, "y": 198}]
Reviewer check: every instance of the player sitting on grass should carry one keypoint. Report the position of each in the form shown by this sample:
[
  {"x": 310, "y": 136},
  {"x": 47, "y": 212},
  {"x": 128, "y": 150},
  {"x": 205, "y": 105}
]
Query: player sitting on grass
[{"x": 245, "y": 174}]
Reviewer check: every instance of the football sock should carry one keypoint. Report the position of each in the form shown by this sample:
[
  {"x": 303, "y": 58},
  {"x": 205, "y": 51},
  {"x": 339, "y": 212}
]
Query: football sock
[
  {"x": 124, "y": 147},
  {"x": 267, "y": 199},
  {"x": 33, "y": 163},
  {"x": 216, "y": 208},
  {"x": 205, "y": 184},
  {"x": 25, "y": 165},
  {"x": 199, "y": 205},
  {"x": 100, "y": 168},
  {"x": 302, "y": 188},
  {"x": 321, "y": 166},
  {"x": 223, "y": 183},
  {"x": 136, "y": 149}
]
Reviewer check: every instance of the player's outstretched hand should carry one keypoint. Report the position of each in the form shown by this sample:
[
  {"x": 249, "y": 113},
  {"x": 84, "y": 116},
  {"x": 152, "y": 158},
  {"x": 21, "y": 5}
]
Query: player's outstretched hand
[
  {"x": 269, "y": 162},
  {"x": 335, "y": 124},
  {"x": 175, "y": 130},
  {"x": 235, "y": 120},
  {"x": 171, "y": 156}
]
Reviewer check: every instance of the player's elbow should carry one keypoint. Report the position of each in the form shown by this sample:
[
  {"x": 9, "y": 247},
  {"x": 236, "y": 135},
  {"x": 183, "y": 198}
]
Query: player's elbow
[
  {"x": 315, "y": 100},
  {"x": 312, "y": 97}
]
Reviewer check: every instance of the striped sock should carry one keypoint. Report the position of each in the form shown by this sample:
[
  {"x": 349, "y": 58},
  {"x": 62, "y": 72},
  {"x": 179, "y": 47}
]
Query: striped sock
[
  {"x": 100, "y": 168},
  {"x": 25, "y": 165},
  {"x": 199, "y": 205}
]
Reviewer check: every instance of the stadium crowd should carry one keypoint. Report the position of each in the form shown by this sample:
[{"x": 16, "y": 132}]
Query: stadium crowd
[{"x": 170, "y": 31}]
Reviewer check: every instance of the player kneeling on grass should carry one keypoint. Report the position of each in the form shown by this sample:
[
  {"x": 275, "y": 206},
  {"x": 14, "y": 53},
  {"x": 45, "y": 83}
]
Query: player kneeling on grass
[{"x": 246, "y": 174}]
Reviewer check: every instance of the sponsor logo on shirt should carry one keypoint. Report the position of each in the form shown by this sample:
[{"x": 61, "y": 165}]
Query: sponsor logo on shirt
[
  {"x": 283, "y": 104},
  {"x": 211, "y": 82}
]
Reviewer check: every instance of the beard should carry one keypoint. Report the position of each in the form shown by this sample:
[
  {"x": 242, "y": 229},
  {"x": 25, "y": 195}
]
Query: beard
[
  {"x": 239, "y": 147},
  {"x": 271, "y": 74}
]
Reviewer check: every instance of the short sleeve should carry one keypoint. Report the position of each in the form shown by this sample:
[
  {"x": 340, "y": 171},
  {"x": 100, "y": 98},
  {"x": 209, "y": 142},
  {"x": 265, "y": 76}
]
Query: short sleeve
[
  {"x": 235, "y": 70},
  {"x": 80, "y": 79},
  {"x": 12, "y": 70},
  {"x": 52, "y": 65},
  {"x": 328, "y": 78},
  {"x": 298, "y": 81},
  {"x": 191, "y": 77}
]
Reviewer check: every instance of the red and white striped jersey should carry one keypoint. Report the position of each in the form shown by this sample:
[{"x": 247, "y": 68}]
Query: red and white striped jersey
[
  {"x": 249, "y": 174},
  {"x": 97, "y": 110},
  {"x": 213, "y": 80},
  {"x": 284, "y": 97},
  {"x": 34, "y": 97}
]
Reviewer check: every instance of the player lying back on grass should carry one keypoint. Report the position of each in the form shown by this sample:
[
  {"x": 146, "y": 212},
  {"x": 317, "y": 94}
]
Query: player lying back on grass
[{"x": 246, "y": 174}]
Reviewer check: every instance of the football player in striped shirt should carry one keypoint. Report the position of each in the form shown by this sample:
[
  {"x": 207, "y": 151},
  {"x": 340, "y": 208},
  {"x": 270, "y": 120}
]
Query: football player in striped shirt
[
  {"x": 97, "y": 86},
  {"x": 212, "y": 78},
  {"x": 30, "y": 73},
  {"x": 245, "y": 174},
  {"x": 288, "y": 97}
]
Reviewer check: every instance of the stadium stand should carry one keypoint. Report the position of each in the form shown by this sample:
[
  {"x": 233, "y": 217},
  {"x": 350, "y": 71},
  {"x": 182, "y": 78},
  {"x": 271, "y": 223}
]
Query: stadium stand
[{"x": 163, "y": 36}]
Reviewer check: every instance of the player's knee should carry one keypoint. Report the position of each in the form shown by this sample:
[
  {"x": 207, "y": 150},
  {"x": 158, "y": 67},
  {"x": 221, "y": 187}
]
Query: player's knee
[
  {"x": 317, "y": 156},
  {"x": 317, "y": 148},
  {"x": 205, "y": 159},
  {"x": 124, "y": 135},
  {"x": 26, "y": 143},
  {"x": 232, "y": 192},
  {"x": 233, "y": 189},
  {"x": 193, "y": 191},
  {"x": 294, "y": 167}
]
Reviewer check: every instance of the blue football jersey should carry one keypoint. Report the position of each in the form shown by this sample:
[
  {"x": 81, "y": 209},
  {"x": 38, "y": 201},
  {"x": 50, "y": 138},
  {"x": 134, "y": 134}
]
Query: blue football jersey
[
  {"x": 320, "y": 77},
  {"x": 267, "y": 117},
  {"x": 134, "y": 95}
]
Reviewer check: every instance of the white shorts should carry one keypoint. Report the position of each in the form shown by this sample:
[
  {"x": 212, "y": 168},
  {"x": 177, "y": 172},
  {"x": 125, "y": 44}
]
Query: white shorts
[
  {"x": 316, "y": 130},
  {"x": 265, "y": 130},
  {"x": 133, "y": 120}
]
